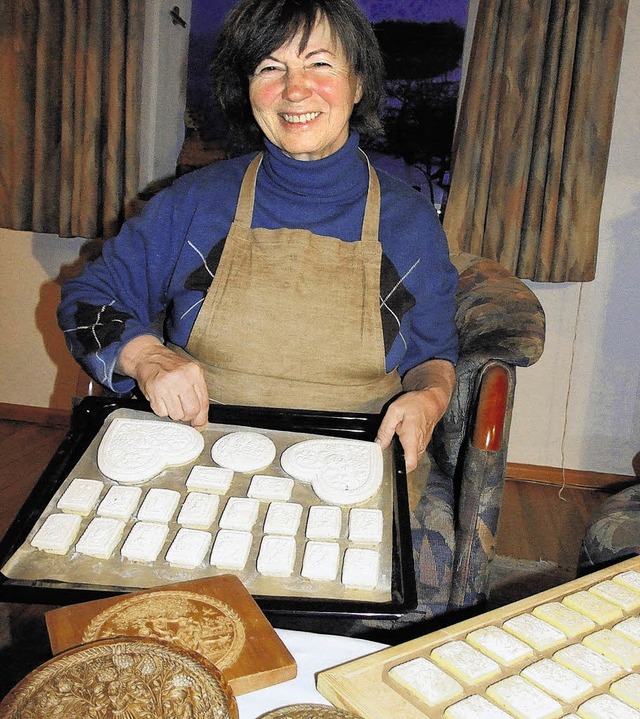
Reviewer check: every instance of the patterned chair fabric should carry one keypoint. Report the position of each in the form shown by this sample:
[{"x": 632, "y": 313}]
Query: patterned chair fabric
[{"x": 613, "y": 532}]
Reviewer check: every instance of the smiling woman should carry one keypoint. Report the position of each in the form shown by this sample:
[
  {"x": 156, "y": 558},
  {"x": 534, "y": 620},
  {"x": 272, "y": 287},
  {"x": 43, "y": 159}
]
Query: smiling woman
[
  {"x": 270, "y": 267},
  {"x": 303, "y": 94}
]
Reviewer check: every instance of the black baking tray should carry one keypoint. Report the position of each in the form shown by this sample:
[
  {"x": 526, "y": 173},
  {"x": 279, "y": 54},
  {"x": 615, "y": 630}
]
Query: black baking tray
[{"x": 88, "y": 418}]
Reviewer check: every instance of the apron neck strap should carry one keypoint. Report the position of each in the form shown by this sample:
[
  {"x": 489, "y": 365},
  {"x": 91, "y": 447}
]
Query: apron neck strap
[{"x": 370, "y": 223}]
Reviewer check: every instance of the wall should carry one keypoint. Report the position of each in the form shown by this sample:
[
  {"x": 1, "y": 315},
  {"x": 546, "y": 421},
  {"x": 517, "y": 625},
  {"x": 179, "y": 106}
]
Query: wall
[{"x": 578, "y": 407}]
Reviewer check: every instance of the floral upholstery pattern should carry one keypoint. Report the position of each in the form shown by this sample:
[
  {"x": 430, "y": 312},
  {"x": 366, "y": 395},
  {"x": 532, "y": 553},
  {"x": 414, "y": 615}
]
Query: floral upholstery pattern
[{"x": 613, "y": 532}]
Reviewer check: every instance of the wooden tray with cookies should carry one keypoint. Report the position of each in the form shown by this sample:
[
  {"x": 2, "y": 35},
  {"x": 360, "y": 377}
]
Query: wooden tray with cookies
[{"x": 302, "y": 506}]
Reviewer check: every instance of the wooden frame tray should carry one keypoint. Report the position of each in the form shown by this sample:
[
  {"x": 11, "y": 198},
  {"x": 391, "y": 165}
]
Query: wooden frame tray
[
  {"x": 363, "y": 686},
  {"x": 87, "y": 420}
]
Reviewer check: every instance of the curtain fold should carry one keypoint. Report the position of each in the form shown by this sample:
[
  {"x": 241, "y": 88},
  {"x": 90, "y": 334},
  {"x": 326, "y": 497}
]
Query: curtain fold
[
  {"x": 69, "y": 109},
  {"x": 532, "y": 139}
]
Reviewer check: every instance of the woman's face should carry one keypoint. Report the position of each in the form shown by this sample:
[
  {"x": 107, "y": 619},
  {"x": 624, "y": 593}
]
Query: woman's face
[{"x": 302, "y": 101}]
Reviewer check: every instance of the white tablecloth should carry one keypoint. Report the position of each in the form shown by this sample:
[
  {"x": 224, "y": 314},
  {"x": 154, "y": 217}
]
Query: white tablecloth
[{"x": 313, "y": 653}]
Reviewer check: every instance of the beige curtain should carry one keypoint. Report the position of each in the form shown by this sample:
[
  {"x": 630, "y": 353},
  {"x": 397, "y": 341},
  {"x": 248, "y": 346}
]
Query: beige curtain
[
  {"x": 532, "y": 140},
  {"x": 69, "y": 107}
]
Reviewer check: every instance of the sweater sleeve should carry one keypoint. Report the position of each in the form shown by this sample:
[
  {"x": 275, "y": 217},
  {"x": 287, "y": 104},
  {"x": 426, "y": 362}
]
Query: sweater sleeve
[{"x": 122, "y": 294}]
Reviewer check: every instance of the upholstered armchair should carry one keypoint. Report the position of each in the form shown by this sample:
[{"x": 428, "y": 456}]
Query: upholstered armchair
[
  {"x": 501, "y": 326},
  {"x": 613, "y": 533}
]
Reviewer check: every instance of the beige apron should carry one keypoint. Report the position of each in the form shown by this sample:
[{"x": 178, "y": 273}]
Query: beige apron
[{"x": 292, "y": 319}]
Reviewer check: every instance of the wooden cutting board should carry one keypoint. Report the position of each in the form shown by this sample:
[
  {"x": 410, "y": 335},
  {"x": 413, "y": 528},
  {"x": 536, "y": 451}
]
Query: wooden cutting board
[{"x": 216, "y": 617}]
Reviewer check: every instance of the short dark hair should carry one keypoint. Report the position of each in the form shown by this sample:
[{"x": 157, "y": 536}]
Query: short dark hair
[{"x": 253, "y": 29}]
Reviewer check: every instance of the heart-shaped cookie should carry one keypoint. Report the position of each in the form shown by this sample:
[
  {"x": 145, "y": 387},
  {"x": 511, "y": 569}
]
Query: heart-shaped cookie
[
  {"x": 135, "y": 450},
  {"x": 341, "y": 471}
]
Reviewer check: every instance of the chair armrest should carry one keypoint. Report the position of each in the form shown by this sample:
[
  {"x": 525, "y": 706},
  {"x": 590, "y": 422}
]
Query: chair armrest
[{"x": 498, "y": 316}]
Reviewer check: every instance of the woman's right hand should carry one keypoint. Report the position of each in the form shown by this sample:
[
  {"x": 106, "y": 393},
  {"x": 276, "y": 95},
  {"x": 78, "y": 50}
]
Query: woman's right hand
[{"x": 173, "y": 385}]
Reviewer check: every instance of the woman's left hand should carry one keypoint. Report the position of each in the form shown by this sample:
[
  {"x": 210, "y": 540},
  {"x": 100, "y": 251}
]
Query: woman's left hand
[{"x": 414, "y": 414}]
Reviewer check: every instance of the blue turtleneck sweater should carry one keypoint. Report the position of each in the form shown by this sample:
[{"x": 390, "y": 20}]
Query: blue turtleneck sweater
[{"x": 161, "y": 264}]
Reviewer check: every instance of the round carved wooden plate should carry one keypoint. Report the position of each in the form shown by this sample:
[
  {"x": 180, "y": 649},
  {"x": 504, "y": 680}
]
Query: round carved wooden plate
[
  {"x": 126, "y": 677},
  {"x": 308, "y": 711}
]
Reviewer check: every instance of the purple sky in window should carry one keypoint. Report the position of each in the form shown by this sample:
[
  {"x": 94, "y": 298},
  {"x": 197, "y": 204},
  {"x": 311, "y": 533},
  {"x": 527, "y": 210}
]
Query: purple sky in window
[{"x": 206, "y": 15}]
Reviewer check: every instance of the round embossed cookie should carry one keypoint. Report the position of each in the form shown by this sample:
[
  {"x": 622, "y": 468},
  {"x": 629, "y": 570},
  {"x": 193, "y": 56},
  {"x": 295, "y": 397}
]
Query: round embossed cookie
[
  {"x": 243, "y": 451},
  {"x": 308, "y": 711},
  {"x": 122, "y": 677}
]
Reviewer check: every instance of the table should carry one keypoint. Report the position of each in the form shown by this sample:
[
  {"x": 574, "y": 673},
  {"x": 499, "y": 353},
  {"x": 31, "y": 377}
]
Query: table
[{"x": 312, "y": 652}]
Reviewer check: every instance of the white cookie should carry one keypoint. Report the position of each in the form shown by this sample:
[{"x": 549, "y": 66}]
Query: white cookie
[
  {"x": 283, "y": 518},
  {"x": 341, "y": 471},
  {"x": 81, "y": 496},
  {"x": 365, "y": 525},
  {"x": 159, "y": 505},
  {"x": 101, "y": 537},
  {"x": 239, "y": 513},
  {"x": 277, "y": 555},
  {"x": 198, "y": 510},
  {"x": 210, "y": 479},
  {"x": 119, "y": 502},
  {"x": 144, "y": 542},
  {"x": 263, "y": 486},
  {"x": 188, "y": 548},
  {"x": 134, "y": 450},
  {"x": 360, "y": 568},
  {"x": 321, "y": 560},
  {"x": 243, "y": 451},
  {"x": 231, "y": 549},
  {"x": 57, "y": 533},
  {"x": 324, "y": 522}
]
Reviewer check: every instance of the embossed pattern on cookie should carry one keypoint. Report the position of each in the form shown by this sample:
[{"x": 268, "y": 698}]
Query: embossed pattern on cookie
[
  {"x": 210, "y": 479},
  {"x": 101, "y": 537},
  {"x": 188, "y": 548},
  {"x": 144, "y": 541},
  {"x": 119, "y": 502},
  {"x": 283, "y": 518},
  {"x": 341, "y": 471},
  {"x": 57, "y": 533},
  {"x": 243, "y": 451},
  {"x": 133, "y": 451},
  {"x": 81, "y": 496}
]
